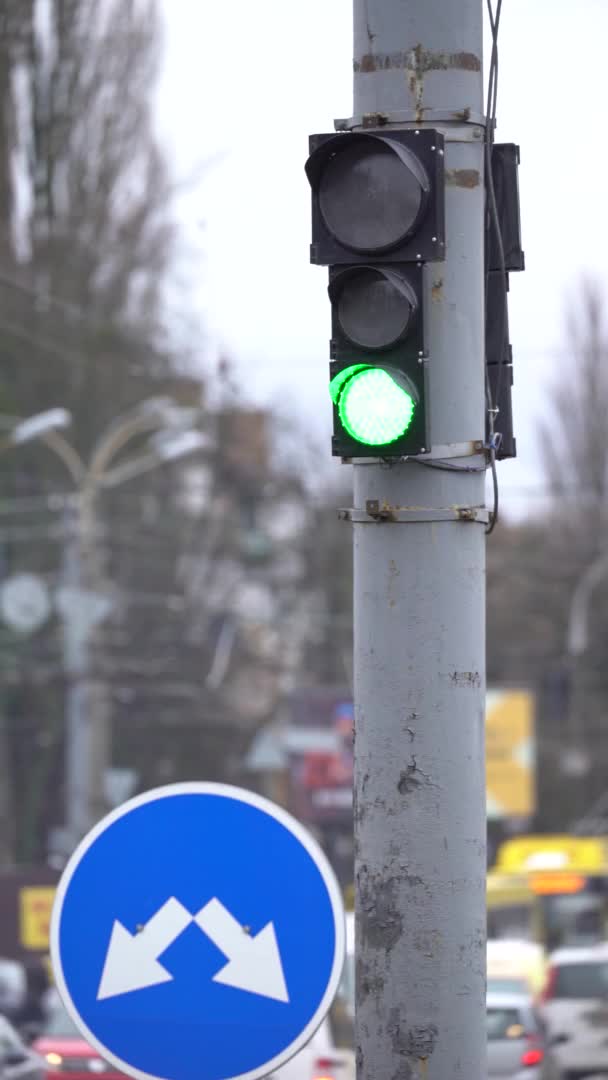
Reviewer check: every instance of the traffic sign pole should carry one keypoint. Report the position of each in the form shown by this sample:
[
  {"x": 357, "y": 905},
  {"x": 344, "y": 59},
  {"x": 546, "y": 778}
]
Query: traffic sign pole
[{"x": 419, "y": 600}]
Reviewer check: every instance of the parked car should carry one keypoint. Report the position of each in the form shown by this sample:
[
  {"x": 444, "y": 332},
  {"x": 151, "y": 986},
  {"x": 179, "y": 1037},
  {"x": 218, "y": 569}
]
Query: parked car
[
  {"x": 66, "y": 1055},
  {"x": 574, "y": 1010},
  {"x": 511, "y": 958},
  {"x": 508, "y": 984},
  {"x": 17, "y": 1061},
  {"x": 516, "y": 1045},
  {"x": 330, "y": 1053}
]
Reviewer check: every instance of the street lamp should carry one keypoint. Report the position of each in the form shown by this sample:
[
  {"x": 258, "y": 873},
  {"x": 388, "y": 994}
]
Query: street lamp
[
  {"x": 578, "y": 620},
  {"x": 166, "y": 445},
  {"x": 81, "y": 599},
  {"x": 38, "y": 426},
  {"x": 577, "y": 761}
]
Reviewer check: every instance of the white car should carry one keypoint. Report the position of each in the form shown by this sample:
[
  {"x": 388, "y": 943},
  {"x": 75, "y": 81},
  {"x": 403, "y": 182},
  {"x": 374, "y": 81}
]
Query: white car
[
  {"x": 330, "y": 1054},
  {"x": 574, "y": 1009},
  {"x": 511, "y": 958},
  {"x": 516, "y": 1047}
]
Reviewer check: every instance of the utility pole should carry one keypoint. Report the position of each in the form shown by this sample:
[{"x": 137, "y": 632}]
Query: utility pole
[
  {"x": 576, "y": 759},
  {"x": 14, "y": 432},
  {"x": 419, "y": 650},
  {"x": 84, "y": 598},
  {"x": 84, "y": 602}
]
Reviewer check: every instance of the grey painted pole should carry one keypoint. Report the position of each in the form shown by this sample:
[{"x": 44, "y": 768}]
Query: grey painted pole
[
  {"x": 84, "y": 605},
  {"x": 419, "y": 605}
]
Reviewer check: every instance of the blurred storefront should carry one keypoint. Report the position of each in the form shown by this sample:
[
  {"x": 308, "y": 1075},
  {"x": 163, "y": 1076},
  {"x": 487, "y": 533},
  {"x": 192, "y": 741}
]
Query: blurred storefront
[{"x": 305, "y": 761}]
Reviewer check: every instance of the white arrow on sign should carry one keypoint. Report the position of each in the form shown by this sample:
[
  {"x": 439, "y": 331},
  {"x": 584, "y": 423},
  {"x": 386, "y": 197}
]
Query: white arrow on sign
[
  {"x": 131, "y": 959},
  {"x": 254, "y": 963}
]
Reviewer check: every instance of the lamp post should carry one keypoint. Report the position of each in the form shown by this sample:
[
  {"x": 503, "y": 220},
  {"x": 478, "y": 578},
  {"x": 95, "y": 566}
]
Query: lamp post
[
  {"x": 16, "y": 431},
  {"x": 578, "y": 619},
  {"x": 578, "y": 761},
  {"x": 83, "y": 601}
]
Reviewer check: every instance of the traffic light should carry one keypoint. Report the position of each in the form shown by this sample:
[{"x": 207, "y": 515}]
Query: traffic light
[
  {"x": 505, "y": 166},
  {"x": 499, "y": 363},
  {"x": 499, "y": 356},
  {"x": 377, "y": 369},
  {"x": 378, "y": 215}
]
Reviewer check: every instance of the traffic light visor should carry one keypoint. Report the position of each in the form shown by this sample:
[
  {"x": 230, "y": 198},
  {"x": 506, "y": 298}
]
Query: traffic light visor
[
  {"x": 375, "y": 306},
  {"x": 375, "y": 404},
  {"x": 372, "y": 191}
]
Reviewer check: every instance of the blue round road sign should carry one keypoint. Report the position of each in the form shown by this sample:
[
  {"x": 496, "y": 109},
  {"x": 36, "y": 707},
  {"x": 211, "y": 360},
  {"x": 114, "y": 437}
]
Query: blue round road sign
[{"x": 198, "y": 934}]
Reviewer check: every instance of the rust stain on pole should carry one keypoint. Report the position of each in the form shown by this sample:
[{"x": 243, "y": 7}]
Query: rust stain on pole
[
  {"x": 419, "y": 59},
  {"x": 465, "y": 178},
  {"x": 414, "y": 1045}
]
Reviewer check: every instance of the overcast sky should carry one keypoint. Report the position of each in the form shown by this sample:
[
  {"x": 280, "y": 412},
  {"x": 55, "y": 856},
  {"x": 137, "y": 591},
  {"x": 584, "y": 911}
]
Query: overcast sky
[{"x": 246, "y": 82}]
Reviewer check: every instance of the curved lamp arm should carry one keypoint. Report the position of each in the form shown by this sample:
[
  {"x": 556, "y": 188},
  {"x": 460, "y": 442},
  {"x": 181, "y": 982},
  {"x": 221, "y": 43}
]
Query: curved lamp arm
[
  {"x": 577, "y": 638},
  {"x": 51, "y": 437}
]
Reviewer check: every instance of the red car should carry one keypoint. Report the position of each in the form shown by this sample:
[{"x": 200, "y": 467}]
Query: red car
[{"x": 67, "y": 1055}]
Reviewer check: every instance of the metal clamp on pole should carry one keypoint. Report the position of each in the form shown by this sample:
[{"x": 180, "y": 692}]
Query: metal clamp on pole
[
  {"x": 442, "y": 452},
  {"x": 375, "y": 513},
  {"x": 411, "y": 116}
]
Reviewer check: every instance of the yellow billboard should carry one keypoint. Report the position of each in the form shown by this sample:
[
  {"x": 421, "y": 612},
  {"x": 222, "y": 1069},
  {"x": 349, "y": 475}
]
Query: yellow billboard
[
  {"x": 510, "y": 754},
  {"x": 35, "y": 906}
]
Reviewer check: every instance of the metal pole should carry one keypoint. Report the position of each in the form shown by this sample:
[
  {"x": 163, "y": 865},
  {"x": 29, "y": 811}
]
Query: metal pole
[
  {"x": 577, "y": 639},
  {"x": 73, "y": 632},
  {"x": 419, "y": 602},
  {"x": 86, "y": 603},
  {"x": 96, "y": 718},
  {"x": 84, "y": 606},
  {"x": 578, "y": 760}
]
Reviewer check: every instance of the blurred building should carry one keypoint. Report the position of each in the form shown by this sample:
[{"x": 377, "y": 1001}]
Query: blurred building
[{"x": 305, "y": 760}]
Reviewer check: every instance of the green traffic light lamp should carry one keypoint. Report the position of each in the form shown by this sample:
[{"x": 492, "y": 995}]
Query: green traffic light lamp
[
  {"x": 375, "y": 405},
  {"x": 378, "y": 368}
]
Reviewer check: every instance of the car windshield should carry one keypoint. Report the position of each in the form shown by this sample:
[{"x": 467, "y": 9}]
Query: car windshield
[
  {"x": 508, "y": 984},
  {"x": 504, "y": 1024},
  {"x": 585, "y": 980},
  {"x": 61, "y": 1025},
  {"x": 574, "y": 920},
  {"x": 510, "y": 921}
]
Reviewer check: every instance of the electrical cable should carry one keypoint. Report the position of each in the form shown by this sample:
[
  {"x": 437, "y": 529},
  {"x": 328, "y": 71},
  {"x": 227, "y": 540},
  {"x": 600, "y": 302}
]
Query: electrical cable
[
  {"x": 45, "y": 345},
  {"x": 46, "y": 298}
]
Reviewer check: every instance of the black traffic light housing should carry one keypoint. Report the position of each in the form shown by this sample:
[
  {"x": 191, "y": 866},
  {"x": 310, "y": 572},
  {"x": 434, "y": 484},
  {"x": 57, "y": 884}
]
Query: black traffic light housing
[
  {"x": 378, "y": 215},
  {"x": 376, "y": 314},
  {"x": 499, "y": 355},
  {"x": 377, "y": 196},
  {"x": 499, "y": 363},
  {"x": 505, "y": 166}
]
